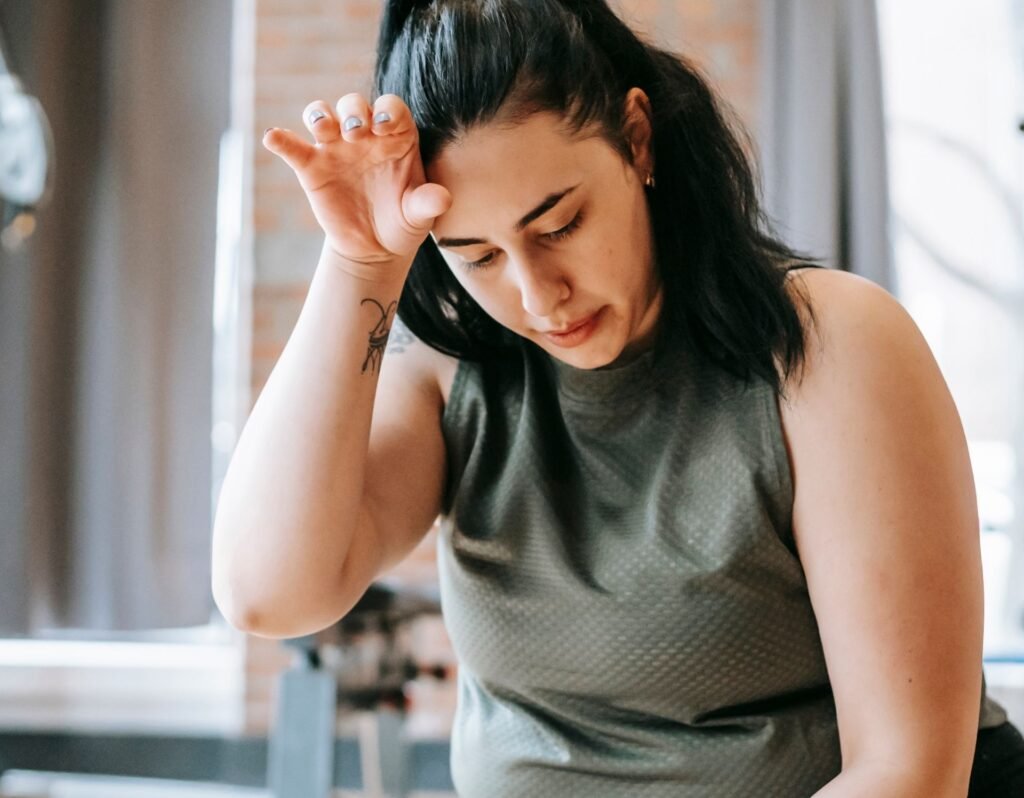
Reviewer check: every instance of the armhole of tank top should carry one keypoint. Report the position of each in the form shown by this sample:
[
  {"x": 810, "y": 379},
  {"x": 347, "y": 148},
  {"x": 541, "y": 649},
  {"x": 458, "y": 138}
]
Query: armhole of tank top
[
  {"x": 776, "y": 441},
  {"x": 448, "y": 415},
  {"x": 454, "y": 393},
  {"x": 794, "y": 265},
  {"x": 778, "y": 457}
]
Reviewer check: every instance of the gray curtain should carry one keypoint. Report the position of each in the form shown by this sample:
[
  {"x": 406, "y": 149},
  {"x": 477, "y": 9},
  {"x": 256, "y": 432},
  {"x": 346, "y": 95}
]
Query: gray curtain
[
  {"x": 106, "y": 331},
  {"x": 822, "y": 132}
]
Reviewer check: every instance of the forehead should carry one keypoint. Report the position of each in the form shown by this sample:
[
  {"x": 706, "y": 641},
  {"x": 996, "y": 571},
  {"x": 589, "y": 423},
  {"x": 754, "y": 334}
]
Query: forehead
[{"x": 496, "y": 173}]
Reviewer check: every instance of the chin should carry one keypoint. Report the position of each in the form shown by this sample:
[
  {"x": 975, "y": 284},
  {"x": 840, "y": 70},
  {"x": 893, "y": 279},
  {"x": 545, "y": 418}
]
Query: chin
[{"x": 601, "y": 347}]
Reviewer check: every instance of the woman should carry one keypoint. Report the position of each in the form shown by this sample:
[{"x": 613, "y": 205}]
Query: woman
[{"x": 709, "y": 523}]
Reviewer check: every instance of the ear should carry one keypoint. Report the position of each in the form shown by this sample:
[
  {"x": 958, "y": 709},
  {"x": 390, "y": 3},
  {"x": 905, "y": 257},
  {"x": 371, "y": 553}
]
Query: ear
[{"x": 639, "y": 124}]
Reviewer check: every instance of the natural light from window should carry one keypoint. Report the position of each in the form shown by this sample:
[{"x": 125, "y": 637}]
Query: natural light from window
[{"x": 954, "y": 85}]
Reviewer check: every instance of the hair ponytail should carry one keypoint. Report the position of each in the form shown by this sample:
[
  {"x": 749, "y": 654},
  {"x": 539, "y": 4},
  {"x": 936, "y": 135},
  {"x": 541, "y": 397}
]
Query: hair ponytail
[{"x": 396, "y": 13}]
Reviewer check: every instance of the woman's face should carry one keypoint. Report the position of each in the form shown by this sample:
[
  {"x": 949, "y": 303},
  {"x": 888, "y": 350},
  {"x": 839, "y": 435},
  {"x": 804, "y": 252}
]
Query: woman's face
[{"x": 547, "y": 232}]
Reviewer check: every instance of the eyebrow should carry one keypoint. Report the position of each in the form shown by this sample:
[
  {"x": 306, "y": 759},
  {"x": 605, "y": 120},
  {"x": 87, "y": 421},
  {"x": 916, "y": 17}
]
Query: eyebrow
[{"x": 549, "y": 202}]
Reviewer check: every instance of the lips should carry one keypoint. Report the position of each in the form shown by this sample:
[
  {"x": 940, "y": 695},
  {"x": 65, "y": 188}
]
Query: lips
[
  {"x": 571, "y": 327},
  {"x": 576, "y": 333}
]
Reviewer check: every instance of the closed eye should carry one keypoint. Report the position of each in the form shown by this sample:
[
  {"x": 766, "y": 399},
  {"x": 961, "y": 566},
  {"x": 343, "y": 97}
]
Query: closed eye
[
  {"x": 566, "y": 231},
  {"x": 555, "y": 235}
]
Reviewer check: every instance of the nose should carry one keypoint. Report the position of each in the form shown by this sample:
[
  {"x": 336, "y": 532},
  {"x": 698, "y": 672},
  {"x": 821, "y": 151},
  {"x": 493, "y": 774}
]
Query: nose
[{"x": 542, "y": 287}]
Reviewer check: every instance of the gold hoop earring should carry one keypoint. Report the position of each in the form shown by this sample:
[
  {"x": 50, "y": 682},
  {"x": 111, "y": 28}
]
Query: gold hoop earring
[{"x": 649, "y": 182}]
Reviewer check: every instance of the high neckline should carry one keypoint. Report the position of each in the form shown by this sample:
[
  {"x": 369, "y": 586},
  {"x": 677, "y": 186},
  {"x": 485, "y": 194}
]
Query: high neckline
[{"x": 609, "y": 383}]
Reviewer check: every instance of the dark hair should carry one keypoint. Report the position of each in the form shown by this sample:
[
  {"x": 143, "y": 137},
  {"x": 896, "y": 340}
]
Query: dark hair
[{"x": 722, "y": 270}]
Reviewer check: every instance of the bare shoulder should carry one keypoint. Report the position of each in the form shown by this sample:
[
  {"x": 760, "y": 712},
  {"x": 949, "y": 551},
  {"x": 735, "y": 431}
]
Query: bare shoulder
[
  {"x": 867, "y": 374},
  {"x": 851, "y": 324},
  {"x": 432, "y": 370},
  {"x": 866, "y": 367}
]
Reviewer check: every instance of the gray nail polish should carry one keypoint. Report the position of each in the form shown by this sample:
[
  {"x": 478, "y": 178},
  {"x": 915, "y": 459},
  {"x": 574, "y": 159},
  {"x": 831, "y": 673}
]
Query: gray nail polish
[
  {"x": 316, "y": 116},
  {"x": 353, "y": 122},
  {"x": 383, "y": 116}
]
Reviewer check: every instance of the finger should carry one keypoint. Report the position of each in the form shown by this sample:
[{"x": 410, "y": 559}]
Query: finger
[
  {"x": 391, "y": 115},
  {"x": 354, "y": 113},
  {"x": 423, "y": 204},
  {"x": 288, "y": 147},
  {"x": 321, "y": 122}
]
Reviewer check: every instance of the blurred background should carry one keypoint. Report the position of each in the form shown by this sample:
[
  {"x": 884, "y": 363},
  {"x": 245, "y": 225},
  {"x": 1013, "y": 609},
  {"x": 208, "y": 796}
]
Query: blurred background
[{"x": 154, "y": 259}]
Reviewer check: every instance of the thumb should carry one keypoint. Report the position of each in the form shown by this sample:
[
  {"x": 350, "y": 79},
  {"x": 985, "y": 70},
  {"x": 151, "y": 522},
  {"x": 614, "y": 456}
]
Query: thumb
[{"x": 423, "y": 204}]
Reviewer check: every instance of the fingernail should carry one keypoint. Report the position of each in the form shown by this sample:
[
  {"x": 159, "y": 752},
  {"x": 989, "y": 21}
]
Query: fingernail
[
  {"x": 265, "y": 132},
  {"x": 353, "y": 122},
  {"x": 383, "y": 116},
  {"x": 316, "y": 116}
]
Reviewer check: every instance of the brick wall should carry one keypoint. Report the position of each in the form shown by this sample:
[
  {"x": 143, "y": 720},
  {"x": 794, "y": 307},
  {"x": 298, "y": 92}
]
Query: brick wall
[
  {"x": 721, "y": 35},
  {"x": 309, "y": 49}
]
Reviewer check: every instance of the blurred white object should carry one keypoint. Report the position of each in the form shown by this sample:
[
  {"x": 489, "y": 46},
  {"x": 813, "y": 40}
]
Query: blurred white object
[
  {"x": 29, "y": 784},
  {"x": 26, "y": 158},
  {"x": 24, "y": 145}
]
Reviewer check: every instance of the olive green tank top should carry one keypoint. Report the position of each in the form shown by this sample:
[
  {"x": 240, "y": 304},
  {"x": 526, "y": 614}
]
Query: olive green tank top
[{"x": 621, "y": 586}]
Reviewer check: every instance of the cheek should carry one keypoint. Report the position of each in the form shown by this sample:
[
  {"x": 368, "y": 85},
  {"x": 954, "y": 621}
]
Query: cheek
[
  {"x": 613, "y": 244},
  {"x": 607, "y": 261},
  {"x": 627, "y": 252}
]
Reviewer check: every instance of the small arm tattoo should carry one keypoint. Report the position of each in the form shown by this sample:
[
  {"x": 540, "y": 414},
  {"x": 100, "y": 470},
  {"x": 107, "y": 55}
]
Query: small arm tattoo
[
  {"x": 378, "y": 335},
  {"x": 401, "y": 338}
]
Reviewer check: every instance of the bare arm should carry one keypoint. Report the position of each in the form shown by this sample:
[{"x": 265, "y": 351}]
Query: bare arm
[
  {"x": 329, "y": 483},
  {"x": 296, "y": 537},
  {"x": 886, "y": 524}
]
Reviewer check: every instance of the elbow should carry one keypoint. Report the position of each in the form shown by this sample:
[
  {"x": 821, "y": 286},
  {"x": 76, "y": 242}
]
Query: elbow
[
  {"x": 254, "y": 621},
  {"x": 237, "y": 614},
  {"x": 257, "y": 624},
  {"x": 277, "y": 626},
  {"x": 260, "y": 596},
  {"x": 241, "y": 598},
  {"x": 248, "y": 617},
  {"x": 276, "y": 619},
  {"x": 241, "y": 613}
]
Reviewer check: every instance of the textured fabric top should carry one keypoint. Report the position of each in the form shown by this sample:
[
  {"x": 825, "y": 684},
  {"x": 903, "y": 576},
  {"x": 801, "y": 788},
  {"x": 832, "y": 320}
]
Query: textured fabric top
[{"x": 620, "y": 583}]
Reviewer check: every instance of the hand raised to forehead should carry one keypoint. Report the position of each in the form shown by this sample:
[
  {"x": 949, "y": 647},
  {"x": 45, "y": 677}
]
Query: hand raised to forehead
[{"x": 363, "y": 177}]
